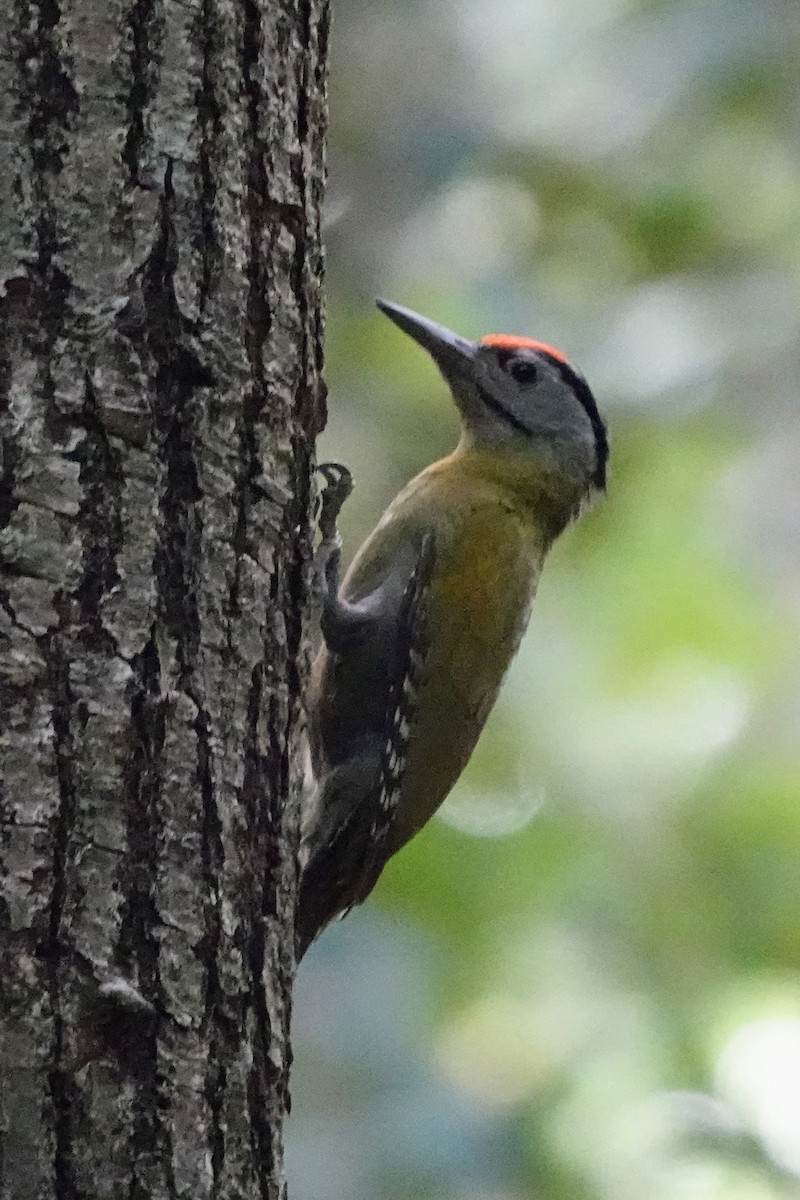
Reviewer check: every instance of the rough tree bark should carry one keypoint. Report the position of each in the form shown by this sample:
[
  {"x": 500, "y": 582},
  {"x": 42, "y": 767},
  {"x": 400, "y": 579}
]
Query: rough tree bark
[{"x": 161, "y": 171}]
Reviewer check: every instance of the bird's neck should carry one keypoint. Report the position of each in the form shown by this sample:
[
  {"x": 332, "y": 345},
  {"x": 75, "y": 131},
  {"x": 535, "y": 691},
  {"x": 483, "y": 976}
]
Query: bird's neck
[{"x": 534, "y": 484}]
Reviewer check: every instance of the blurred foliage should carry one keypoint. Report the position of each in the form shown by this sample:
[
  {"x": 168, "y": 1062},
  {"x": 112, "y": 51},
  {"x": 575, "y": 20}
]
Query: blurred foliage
[{"x": 582, "y": 981}]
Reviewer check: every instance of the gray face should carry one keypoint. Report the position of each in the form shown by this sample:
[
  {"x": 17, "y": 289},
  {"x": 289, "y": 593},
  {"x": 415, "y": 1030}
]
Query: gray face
[
  {"x": 530, "y": 399},
  {"x": 517, "y": 395}
]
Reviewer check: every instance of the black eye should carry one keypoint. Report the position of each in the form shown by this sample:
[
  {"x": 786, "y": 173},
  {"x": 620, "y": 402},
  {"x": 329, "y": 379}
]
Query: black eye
[{"x": 522, "y": 370}]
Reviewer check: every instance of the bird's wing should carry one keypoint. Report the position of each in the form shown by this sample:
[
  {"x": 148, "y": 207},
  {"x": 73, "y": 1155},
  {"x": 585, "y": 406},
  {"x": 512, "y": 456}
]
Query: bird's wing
[
  {"x": 412, "y": 630},
  {"x": 348, "y": 849}
]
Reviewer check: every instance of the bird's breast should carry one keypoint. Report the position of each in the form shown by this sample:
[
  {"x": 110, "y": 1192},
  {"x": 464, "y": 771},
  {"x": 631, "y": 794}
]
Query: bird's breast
[{"x": 487, "y": 568}]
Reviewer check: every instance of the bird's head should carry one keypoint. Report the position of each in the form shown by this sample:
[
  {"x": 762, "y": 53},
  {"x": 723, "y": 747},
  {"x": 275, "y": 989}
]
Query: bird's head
[{"x": 520, "y": 394}]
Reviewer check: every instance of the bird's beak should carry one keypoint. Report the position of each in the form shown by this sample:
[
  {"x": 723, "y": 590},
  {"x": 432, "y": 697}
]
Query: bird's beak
[{"x": 453, "y": 355}]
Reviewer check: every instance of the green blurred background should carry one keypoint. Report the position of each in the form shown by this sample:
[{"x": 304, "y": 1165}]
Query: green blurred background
[{"x": 582, "y": 981}]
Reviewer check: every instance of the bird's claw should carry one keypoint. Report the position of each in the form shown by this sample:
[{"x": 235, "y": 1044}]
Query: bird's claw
[{"x": 338, "y": 486}]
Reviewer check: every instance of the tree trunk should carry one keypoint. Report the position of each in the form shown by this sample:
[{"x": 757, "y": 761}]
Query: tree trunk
[{"x": 161, "y": 167}]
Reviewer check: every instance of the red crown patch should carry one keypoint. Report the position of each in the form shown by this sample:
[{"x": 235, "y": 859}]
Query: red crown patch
[{"x": 510, "y": 341}]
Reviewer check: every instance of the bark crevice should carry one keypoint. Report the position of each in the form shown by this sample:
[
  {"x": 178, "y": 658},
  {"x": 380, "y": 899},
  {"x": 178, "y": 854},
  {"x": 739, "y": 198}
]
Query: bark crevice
[
  {"x": 143, "y": 65},
  {"x": 62, "y": 1093}
]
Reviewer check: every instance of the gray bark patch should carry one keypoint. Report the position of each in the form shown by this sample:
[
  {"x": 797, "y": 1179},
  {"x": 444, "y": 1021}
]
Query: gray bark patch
[{"x": 160, "y": 354}]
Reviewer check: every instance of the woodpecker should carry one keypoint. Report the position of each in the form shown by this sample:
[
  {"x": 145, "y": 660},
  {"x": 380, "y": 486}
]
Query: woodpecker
[{"x": 417, "y": 640}]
